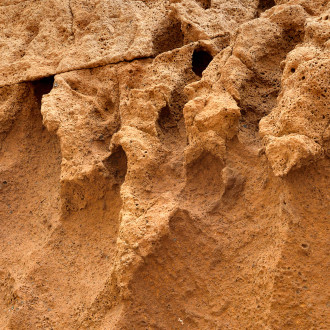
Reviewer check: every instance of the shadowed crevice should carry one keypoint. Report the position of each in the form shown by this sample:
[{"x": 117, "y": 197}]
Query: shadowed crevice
[
  {"x": 200, "y": 61},
  {"x": 116, "y": 164},
  {"x": 41, "y": 87},
  {"x": 264, "y": 5},
  {"x": 169, "y": 36},
  {"x": 166, "y": 121}
]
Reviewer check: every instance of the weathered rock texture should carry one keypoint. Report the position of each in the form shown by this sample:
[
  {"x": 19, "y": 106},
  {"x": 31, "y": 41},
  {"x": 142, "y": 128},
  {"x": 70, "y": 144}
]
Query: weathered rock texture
[{"x": 164, "y": 164}]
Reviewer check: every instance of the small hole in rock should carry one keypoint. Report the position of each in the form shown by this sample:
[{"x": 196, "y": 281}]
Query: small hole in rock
[
  {"x": 200, "y": 60},
  {"x": 293, "y": 70},
  {"x": 304, "y": 246},
  {"x": 42, "y": 86}
]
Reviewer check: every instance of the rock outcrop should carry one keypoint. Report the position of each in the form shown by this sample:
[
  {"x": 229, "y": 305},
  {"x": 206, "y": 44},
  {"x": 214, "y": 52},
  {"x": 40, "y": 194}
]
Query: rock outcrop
[{"x": 164, "y": 164}]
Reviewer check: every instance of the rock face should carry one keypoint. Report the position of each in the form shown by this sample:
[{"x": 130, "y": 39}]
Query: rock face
[{"x": 164, "y": 164}]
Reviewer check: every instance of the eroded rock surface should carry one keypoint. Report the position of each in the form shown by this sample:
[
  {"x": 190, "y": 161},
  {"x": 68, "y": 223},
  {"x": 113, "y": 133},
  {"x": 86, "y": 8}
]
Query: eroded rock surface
[{"x": 164, "y": 164}]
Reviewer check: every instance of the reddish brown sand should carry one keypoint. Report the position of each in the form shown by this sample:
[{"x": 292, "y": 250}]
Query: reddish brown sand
[{"x": 164, "y": 164}]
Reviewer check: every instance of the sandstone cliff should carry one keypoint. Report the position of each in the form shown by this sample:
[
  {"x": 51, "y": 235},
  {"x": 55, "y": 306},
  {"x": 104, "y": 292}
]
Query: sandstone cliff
[{"x": 164, "y": 164}]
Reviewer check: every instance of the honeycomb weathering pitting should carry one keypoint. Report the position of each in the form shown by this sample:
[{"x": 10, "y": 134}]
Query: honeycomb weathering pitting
[{"x": 164, "y": 164}]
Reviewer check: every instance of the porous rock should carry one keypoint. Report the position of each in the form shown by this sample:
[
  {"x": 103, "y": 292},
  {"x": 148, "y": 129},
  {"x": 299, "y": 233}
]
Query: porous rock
[{"x": 164, "y": 164}]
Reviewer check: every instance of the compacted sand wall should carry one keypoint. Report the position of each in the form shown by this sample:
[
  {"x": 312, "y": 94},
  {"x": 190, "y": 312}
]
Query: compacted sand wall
[{"x": 164, "y": 164}]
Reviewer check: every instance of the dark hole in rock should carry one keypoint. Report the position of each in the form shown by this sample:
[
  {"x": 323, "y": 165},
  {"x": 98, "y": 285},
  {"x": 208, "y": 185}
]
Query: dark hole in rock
[
  {"x": 206, "y": 4},
  {"x": 168, "y": 37},
  {"x": 200, "y": 60},
  {"x": 293, "y": 70},
  {"x": 116, "y": 164},
  {"x": 42, "y": 86}
]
